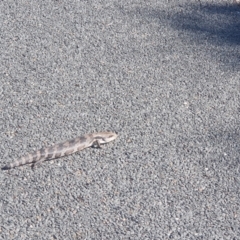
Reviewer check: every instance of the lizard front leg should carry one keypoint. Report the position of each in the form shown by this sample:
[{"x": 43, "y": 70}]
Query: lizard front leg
[{"x": 96, "y": 142}]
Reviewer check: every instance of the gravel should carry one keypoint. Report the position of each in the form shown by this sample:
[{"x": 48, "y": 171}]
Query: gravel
[{"x": 164, "y": 75}]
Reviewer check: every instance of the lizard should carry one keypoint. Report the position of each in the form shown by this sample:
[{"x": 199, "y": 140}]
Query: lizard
[{"x": 63, "y": 149}]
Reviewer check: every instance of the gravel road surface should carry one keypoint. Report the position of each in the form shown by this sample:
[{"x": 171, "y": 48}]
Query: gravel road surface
[{"x": 164, "y": 75}]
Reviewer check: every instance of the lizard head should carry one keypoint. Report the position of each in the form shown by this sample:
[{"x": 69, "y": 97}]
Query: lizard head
[{"x": 105, "y": 137}]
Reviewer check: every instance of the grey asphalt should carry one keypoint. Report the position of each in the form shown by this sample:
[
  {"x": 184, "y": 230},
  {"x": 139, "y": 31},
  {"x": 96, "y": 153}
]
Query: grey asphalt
[{"x": 164, "y": 75}]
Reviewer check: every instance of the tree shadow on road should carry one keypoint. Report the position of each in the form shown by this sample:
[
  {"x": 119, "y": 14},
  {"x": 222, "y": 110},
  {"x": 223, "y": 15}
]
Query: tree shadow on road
[
  {"x": 221, "y": 24},
  {"x": 198, "y": 24}
]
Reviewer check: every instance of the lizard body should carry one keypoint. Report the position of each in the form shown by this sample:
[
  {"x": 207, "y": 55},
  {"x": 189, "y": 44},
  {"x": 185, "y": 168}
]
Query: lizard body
[{"x": 64, "y": 149}]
